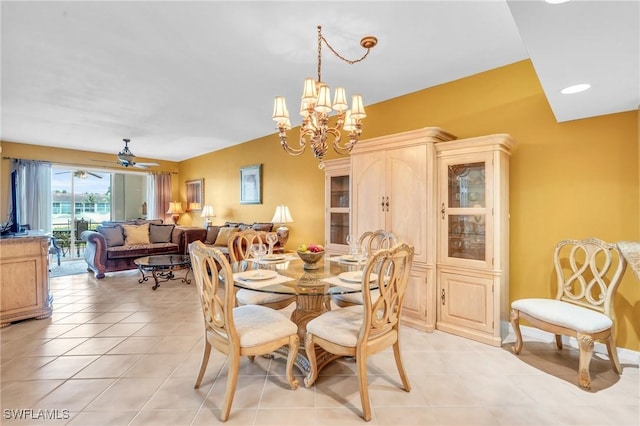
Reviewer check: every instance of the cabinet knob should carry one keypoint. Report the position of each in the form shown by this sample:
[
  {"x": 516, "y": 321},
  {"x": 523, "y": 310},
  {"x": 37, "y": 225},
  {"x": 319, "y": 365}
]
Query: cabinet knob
[
  {"x": 443, "y": 297},
  {"x": 442, "y": 210},
  {"x": 382, "y": 203}
]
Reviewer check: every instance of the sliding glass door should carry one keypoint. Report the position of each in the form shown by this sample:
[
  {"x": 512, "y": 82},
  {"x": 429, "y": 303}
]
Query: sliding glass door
[{"x": 82, "y": 199}]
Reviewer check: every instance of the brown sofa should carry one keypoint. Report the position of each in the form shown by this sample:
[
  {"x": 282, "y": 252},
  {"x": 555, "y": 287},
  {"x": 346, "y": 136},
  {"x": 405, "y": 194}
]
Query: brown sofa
[
  {"x": 113, "y": 246},
  {"x": 218, "y": 235}
]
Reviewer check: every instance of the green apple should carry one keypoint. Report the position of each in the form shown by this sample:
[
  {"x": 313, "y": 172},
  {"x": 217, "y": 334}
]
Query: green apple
[{"x": 302, "y": 247}]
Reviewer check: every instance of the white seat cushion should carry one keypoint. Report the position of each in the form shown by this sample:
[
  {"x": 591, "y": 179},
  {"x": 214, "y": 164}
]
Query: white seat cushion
[
  {"x": 258, "y": 324},
  {"x": 564, "y": 314},
  {"x": 340, "y": 326},
  {"x": 250, "y": 297}
]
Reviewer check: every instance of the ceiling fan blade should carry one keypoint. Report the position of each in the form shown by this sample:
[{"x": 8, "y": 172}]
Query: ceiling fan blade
[
  {"x": 148, "y": 164},
  {"x": 94, "y": 175},
  {"x": 61, "y": 173},
  {"x": 140, "y": 166}
]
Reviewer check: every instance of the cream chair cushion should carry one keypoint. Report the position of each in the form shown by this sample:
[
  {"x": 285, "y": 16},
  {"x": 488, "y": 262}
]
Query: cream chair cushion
[
  {"x": 564, "y": 314},
  {"x": 340, "y": 326},
  {"x": 251, "y": 297},
  {"x": 257, "y": 324}
]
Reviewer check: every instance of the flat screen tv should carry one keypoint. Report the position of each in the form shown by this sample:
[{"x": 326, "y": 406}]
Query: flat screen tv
[{"x": 12, "y": 226}]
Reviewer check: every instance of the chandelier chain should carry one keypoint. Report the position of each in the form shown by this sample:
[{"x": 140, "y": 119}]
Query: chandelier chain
[{"x": 349, "y": 61}]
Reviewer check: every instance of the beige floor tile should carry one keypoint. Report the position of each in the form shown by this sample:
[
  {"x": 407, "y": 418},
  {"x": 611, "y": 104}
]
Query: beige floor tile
[
  {"x": 96, "y": 346},
  {"x": 126, "y": 394},
  {"x": 172, "y": 417},
  {"x": 102, "y": 418},
  {"x": 109, "y": 366},
  {"x": 155, "y": 342},
  {"x": 75, "y": 394},
  {"x": 177, "y": 394},
  {"x": 60, "y": 368}
]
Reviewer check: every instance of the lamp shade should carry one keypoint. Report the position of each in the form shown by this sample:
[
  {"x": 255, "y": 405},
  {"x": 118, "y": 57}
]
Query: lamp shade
[
  {"x": 282, "y": 215},
  {"x": 207, "y": 211},
  {"x": 175, "y": 208}
]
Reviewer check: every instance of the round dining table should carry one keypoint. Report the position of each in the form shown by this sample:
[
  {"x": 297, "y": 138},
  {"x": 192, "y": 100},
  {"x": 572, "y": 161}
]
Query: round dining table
[{"x": 285, "y": 274}]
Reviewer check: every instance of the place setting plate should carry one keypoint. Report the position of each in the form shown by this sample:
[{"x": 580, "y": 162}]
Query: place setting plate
[
  {"x": 256, "y": 275},
  {"x": 355, "y": 277}
]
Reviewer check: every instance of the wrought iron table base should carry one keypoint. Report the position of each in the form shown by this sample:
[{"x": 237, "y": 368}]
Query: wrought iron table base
[{"x": 162, "y": 274}]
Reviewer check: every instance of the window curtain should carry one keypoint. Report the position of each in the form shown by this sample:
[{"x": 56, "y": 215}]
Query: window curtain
[
  {"x": 34, "y": 193},
  {"x": 160, "y": 195}
]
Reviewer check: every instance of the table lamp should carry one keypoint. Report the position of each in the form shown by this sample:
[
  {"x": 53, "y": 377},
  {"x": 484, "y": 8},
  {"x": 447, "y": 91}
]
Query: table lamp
[
  {"x": 175, "y": 209},
  {"x": 207, "y": 213},
  {"x": 282, "y": 216}
]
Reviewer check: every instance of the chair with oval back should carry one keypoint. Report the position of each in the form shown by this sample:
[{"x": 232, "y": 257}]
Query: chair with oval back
[
  {"x": 362, "y": 330},
  {"x": 369, "y": 242},
  {"x": 236, "y": 331},
  {"x": 239, "y": 244}
]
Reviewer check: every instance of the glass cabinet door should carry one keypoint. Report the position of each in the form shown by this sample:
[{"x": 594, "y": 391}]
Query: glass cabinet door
[
  {"x": 466, "y": 210},
  {"x": 338, "y": 209}
]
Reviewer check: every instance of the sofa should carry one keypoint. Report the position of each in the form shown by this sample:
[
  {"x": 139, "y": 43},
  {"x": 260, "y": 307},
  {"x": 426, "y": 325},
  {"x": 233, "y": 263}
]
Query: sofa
[
  {"x": 113, "y": 246},
  {"x": 218, "y": 235}
]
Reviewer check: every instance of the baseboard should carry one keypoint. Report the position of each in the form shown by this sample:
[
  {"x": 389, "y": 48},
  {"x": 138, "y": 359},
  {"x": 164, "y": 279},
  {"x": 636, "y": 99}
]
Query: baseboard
[{"x": 626, "y": 356}]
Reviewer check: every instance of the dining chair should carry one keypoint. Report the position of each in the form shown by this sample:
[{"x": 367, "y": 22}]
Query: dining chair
[
  {"x": 588, "y": 273},
  {"x": 238, "y": 245},
  {"x": 236, "y": 331},
  {"x": 368, "y": 242},
  {"x": 363, "y": 330}
]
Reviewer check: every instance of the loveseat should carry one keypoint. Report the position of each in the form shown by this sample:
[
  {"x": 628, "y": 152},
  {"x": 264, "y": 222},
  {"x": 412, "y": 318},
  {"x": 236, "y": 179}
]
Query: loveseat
[{"x": 113, "y": 246}]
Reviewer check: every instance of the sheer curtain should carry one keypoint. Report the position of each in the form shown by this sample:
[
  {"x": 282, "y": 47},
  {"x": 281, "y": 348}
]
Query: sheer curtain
[
  {"x": 159, "y": 195},
  {"x": 34, "y": 193}
]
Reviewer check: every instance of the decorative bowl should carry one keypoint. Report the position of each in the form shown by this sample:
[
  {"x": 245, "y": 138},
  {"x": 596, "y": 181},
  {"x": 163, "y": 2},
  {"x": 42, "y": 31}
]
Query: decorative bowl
[{"x": 310, "y": 258}]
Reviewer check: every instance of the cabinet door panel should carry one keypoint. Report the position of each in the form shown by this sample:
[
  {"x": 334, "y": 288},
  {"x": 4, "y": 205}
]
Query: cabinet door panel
[
  {"x": 466, "y": 301},
  {"x": 407, "y": 190},
  {"x": 368, "y": 190}
]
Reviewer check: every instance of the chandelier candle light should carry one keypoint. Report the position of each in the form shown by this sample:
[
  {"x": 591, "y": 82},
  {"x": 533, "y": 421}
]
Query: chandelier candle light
[{"x": 315, "y": 108}]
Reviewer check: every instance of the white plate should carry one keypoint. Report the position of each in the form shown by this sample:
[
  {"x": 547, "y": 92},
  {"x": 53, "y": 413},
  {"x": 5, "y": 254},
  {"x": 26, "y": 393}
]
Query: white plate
[
  {"x": 273, "y": 257},
  {"x": 355, "y": 276},
  {"x": 349, "y": 258},
  {"x": 263, "y": 274}
]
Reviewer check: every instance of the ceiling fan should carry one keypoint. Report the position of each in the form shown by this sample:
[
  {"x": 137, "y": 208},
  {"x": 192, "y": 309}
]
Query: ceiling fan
[
  {"x": 81, "y": 174},
  {"x": 127, "y": 159}
]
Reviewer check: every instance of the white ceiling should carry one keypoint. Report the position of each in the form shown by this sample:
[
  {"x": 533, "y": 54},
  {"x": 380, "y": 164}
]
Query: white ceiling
[{"x": 181, "y": 79}]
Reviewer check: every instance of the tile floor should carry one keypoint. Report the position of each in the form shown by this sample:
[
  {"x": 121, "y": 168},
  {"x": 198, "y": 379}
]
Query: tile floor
[{"x": 117, "y": 353}]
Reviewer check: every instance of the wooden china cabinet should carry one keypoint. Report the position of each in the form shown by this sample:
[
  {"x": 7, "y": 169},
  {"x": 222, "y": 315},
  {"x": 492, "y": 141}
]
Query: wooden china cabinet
[
  {"x": 393, "y": 188},
  {"x": 473, "y": 237}
]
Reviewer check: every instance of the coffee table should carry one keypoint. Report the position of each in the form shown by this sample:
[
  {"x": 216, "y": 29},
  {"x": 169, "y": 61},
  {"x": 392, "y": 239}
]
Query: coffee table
[{"x": 162, "y": 267}]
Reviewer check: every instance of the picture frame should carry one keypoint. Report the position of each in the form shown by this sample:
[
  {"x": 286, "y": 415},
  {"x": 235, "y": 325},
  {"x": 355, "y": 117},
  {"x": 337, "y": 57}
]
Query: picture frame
[
  {"x": 251, "y": 184},
  {"x": 195, "y": 195}
]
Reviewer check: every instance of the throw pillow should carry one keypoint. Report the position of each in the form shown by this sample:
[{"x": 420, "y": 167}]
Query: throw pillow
[
  {"x": 160, "y": 233},
  {"x": 136, "y": 234},
  {"x": 262, "y": 226},
  {"x": 112, "y": 235},
  {"x": 223, "y": 235},
  {"x": 212, "y": 234}
]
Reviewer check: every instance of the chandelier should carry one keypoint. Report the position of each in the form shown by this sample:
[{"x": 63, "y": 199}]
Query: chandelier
[{"x": 315, "y": 130}]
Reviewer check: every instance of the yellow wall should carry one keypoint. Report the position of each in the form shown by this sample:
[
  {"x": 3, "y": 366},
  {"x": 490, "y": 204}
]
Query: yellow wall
[{"x": 568, "y": 180}]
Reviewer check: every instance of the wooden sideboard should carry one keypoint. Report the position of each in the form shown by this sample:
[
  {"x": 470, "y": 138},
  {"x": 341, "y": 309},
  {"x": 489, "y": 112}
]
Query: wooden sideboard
[{"x": 24, "y": 278}]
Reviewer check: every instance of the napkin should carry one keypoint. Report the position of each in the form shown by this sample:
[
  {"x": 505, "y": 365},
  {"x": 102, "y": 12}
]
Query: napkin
[
  {"x": 278, "y": 279},
  {"x": 287, "y": 258},
  {"x": 338, "y": 259}
]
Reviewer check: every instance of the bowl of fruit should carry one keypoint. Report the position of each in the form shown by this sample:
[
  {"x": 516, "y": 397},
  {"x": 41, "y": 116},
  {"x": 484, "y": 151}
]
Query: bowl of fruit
[{"x": 310, "y": 254}]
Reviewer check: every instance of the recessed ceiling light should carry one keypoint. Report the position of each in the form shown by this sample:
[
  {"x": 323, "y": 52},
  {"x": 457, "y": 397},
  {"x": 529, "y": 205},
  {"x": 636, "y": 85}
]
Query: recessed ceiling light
[
  {"x": 556, "y": 1},
  {"x": 576, "y": 88}
]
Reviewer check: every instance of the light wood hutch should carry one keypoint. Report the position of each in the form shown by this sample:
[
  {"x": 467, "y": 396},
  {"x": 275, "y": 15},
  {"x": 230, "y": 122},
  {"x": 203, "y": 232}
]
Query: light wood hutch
[
  {"x": 400, "y": 183},
  {"x": 24, "y": 278}
]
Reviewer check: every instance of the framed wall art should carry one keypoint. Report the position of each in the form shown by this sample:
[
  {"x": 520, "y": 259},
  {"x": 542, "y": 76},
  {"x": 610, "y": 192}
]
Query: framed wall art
[
  {"x": 195, "y": 197},
  {"x": 251, "y": 184}
]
